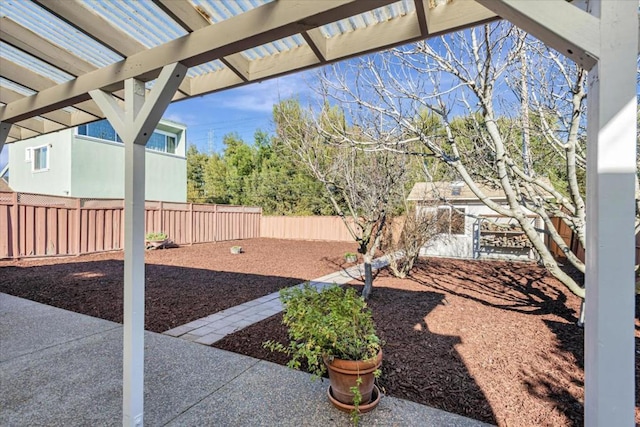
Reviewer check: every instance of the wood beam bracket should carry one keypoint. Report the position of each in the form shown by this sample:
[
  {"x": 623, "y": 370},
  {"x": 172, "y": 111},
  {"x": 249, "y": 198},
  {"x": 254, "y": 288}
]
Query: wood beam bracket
[
  {"x": 142, "y": 124},
  {"x": 565, "y": 27}
]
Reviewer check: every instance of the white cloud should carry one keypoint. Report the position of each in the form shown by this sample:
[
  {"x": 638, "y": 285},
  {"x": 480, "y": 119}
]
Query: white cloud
[{"x": 260, "y": 97}]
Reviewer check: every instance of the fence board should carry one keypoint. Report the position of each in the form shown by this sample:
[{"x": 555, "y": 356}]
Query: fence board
[
  {"x": 330, "y": 228},
  {"x": 6, "y": 238},
  {"x": 63, "y": 231},
  {"x": 42, "y": 225}
]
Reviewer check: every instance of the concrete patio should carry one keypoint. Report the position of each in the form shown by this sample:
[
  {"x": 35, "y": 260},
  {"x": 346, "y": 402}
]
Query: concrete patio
[{"x": 59, "y": 368}]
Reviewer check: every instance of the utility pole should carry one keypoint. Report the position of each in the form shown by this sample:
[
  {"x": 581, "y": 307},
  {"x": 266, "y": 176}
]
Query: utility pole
[{"x": 210, "y": 141}]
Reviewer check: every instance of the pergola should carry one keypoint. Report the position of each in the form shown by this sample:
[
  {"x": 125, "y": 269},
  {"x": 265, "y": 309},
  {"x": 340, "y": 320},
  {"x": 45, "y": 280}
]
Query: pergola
[{"x": 65, "y": 63}]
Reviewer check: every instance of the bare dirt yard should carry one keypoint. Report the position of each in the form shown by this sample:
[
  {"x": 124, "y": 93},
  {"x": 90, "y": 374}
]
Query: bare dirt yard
[{"x": 494, "y": 341}]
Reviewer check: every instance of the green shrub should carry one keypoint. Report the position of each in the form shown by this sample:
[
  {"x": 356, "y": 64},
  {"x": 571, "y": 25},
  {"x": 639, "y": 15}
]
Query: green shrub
[
  {"x": 156, "y": 236},
  {"x": 331, "y": 323}
]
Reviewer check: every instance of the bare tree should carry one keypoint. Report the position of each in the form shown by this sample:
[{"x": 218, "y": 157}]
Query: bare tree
[
  {"x": 494, "y": 105},
  {"x": 406, "y": 235},
  {"x": 363, "y": 186}
]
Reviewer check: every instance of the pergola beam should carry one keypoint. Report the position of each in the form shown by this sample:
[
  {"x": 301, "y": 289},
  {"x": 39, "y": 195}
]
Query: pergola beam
[
  {"x": 184, "y": 13},
  {"x": 559, "y": 24},
  {"x": 400, "y": 30},
  {"x": 238, "y": 64},
  {"x": 258, "y": 26},
  {"x": 449, "y": 16},
  {"x": 26, "y": 40},
  {"x": 421, "y": 8},
  {"x": 59, "y": 116},
  {"x": 76, "y": 14},
  {"x": 317, "y": 42},
  {"x": 40, "y": 126}
]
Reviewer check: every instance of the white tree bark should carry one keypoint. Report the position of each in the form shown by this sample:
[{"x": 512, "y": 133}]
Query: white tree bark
[{"x": 465, "y": 84}]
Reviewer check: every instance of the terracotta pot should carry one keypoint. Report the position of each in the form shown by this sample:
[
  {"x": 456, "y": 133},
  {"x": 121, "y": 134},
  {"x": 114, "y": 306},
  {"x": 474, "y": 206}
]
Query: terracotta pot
[
  {"x": 343, "y": 374},
  {"x": 362, "y": 408}
]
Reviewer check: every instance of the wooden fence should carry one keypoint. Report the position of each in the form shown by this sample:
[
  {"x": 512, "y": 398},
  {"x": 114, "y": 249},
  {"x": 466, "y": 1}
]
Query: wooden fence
[
  {"x": 329, "y": 228},
  {"x": 39, "y": 225},
  {"x": 574, "y": 244}
]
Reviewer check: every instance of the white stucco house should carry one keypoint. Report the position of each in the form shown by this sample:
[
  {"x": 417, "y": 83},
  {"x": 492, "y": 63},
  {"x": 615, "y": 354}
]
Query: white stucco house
[{"x": 466, "y": 223}]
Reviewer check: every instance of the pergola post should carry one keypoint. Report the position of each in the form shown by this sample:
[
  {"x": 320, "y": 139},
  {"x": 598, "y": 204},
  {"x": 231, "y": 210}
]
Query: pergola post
[
  {"x": 610, "y": 240},
  {"x": 135, "y": 125}
]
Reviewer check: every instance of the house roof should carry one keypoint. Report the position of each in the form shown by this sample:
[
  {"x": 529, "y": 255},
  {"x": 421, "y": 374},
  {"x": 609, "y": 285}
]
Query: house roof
[
  {"x": 54, "y": 53},
  {"x": 453, "y": 191}
]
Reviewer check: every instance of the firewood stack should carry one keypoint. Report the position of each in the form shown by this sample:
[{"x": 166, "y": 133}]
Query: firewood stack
[
  {"x": 505, "y": 240},
  {"x": 489, "y": 226},
  {"x": 503, "y": 236}
]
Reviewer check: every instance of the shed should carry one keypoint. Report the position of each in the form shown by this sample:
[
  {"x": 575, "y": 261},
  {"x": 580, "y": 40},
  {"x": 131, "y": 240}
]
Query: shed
[{"x": 467, "y": 225}]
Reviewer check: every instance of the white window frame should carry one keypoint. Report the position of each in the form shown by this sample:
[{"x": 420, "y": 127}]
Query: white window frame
[
  {"x": 33, "y": 158},
  {"x": 166, "y": 133},
  {"x": 451, "y": 210},
  {"x": 28, "y": 154}
]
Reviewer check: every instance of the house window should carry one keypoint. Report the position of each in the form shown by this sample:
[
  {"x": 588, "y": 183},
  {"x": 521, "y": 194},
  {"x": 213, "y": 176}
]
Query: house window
[
  {"x": 40, "y": 158},
  {"x": 101, "y": 129},
  {"x": 159, "y": 140},
  {"x": 451, "y": 220},
  {"x": 457, "y": 221},
  {"x": 162, "y": 141}
]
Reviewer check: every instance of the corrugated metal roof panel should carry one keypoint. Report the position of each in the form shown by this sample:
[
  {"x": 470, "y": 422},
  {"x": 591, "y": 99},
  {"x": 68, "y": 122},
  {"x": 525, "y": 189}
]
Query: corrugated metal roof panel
[
  {"x": 219, "y": 10},
  {"x": 141, "y": 20},
  {"x": 29, "y": 62},
  {"x": 368, "y": 19},
  {"x": 16, "y": 87},
  {"x": 51, "y": 28},
  {"x": 275, "y": 47}
]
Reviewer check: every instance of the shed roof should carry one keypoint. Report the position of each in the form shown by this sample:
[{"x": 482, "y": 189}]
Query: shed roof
[{"x": 452, "y": 191}]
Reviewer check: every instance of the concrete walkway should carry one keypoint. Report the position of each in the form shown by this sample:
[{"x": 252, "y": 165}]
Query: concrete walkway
[
  {"x": 210, "y": 329},
  {"x": 59, "y": 368}
]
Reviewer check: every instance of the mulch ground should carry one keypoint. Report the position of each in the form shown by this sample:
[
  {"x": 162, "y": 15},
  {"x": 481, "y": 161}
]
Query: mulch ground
[
  {"x": 493, "y": 341},
  {"x": 182, "y": 284}
]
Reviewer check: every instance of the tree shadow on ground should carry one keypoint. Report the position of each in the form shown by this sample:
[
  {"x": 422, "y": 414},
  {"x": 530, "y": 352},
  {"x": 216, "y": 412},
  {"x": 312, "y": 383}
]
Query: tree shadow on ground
[
  {"x": 173, "y": 295},
  {"x": 420, "y": 365},
  {"x": 519, "y": 287},
  {"x": 563, "y": 386}
]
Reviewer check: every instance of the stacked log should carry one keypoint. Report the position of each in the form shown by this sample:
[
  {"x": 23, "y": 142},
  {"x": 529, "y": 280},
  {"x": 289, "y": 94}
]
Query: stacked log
[
  {"x": 490, "y": 226},
  {"x": 505, "y": 240}
]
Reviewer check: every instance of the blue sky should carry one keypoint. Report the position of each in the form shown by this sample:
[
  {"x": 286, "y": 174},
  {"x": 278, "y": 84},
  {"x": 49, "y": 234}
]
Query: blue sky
[{"x": 242, "y": 110}]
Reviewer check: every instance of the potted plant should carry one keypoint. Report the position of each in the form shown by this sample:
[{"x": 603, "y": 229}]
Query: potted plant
[
  {"x": 236, "y": 250},
  {"x": 350, "y": 257},
  {"x": 333, "y": 331},
  {"x": 155, "y": 240}
]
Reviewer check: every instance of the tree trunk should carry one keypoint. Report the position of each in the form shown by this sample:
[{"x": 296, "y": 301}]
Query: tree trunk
[{"x": 368, "y": 277}]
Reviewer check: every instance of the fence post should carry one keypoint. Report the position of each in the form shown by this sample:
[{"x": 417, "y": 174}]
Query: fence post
[
  {"x": 243, "y": 223},
  {"x": 161, "y": 229},
  {"x": 78, "y": 224},
  {"x": 191, "y": 220},
  {"x": 215, "y": 223},
  {"x": 15, "y": 229}
]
